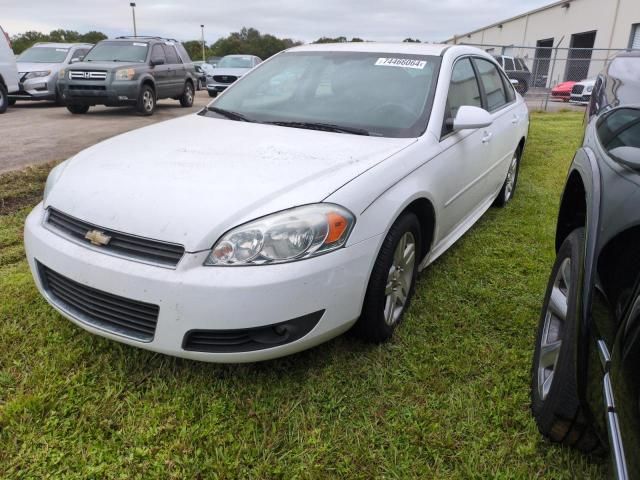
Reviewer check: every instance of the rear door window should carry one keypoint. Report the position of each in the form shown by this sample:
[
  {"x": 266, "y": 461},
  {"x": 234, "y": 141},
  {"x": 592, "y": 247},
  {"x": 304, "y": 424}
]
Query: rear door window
[{"x": 492, "y": 83}]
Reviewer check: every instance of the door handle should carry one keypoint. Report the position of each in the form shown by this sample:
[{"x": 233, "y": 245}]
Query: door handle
[
  {"x": 515, "y": 120},
  {"x": 487, "y": 137}
]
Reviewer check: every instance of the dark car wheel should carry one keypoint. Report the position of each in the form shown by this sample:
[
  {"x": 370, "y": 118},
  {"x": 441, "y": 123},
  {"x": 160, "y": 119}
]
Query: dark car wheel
[
  {"x": 78, "y": 109},
  {"x": 554, "y": 391},
  {"x": 212, "y": 94},
  {"x": 522, "y": 87},
  {"x": 509, "y": 186},
  {"x": 186, "y": 100},
  {"x": 146, "y": 101},
  {"x": 392, "y": 281},
  {"x": 4, "y": 98}
]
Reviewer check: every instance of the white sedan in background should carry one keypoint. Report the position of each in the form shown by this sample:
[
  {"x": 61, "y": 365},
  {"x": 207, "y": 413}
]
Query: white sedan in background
[{"x": 298, "y": 205}]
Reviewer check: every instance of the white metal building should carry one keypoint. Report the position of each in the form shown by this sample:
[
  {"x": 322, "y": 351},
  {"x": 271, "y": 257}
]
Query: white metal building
[{"x": 570, "y": 24}]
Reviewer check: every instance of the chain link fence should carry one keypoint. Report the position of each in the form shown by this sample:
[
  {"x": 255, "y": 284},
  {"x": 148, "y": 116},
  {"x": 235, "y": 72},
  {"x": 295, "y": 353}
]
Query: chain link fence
[{"x": 551, "y": 78}]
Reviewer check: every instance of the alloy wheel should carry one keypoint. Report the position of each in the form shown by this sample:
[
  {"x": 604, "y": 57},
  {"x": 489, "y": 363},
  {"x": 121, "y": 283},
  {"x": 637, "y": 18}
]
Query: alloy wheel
[
  {"x": 399, "y": 278},
  {"x": 555, "y": 317},
  {"x": 511, "y": 178},
  {"x": 147, "y": 100}
]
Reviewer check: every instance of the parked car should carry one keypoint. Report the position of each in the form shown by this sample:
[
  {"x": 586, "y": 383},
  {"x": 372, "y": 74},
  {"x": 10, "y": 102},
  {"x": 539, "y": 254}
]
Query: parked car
[
  {"x": 585, "y": 385},
  {"x": 274, "y": 220},
  {"x": 39, "y": 68},
  {"x": 8, "y": 71},
  {"x": 562, "y": 91},
  {"x": 213, "y": 61},
  {"x": 134, "y": 71},
  {"x": 204, "y": 72},
  {"x": 516, "y": 69},
  {"x": 581, "y": 92},
  {"x": 228, "y": 70}
]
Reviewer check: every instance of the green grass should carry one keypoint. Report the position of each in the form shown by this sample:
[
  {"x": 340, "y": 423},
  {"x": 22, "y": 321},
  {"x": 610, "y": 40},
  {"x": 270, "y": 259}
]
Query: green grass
[{"x": 447, "y": 398}]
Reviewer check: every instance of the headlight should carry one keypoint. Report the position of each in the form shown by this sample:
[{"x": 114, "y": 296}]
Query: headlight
[
  {"x": 61, "y": 73},
  {"x": 54, "y": 176},
  {"x": 125, "y": 74},
  {"x": 589, "y": 89},
  {"x": 43, "y": 73},
  {"x": 286, "y": 236}
]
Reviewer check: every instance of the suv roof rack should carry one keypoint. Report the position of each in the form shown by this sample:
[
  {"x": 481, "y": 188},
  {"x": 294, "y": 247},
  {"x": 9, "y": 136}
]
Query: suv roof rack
[{"x": 148, "y": 37}]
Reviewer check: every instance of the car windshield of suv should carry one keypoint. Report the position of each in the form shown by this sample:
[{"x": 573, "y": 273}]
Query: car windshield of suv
[
  {"x": 135, "y": 52},
  {"x": 365, "y": 93},
  {"x": 43, "y": 55},
  {"x": 235, "y": 62}
]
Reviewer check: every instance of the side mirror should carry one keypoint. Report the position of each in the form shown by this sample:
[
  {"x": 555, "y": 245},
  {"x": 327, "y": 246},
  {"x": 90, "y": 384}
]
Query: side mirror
[
  {"x": 627, "y": 156},
  {"x": 157, "y": 61},
  {"x": 469, "y": 117},
  {"x": 76, "y": 60}
]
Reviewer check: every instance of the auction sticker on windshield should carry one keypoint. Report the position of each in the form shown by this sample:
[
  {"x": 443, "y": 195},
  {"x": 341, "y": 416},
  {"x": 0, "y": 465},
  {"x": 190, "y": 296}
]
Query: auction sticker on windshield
[{"x": 401, "y": 62}]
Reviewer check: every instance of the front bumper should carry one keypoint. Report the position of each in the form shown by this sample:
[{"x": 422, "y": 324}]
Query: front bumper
[
  {"x": 113, "y": 94},
  {"x": 217, "y": 87},
  {"x": 40, "y": 88},
  {"x": 581, "y": 99},
  {"x": 194, "y": 297}
]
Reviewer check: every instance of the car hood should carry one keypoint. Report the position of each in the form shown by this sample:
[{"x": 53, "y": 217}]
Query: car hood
[
  {"x": 236, "y": 72},
  {"x": 190, "y": 179},
  {"x": 104, "y": 65},
  {"x": 25, "y": 67}
]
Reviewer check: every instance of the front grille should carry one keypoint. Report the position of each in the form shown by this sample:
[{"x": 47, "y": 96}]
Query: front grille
[
  {"x": 250, "y": 339},
  {"x": 130, "y": 246},
  {"x": 577, "y": 90},
  {"x": 87, "y": 87},
  {"x": 224, "y": 78},
  {"x": 103, "y": 310},
  {"x": 87, "y": 75}
]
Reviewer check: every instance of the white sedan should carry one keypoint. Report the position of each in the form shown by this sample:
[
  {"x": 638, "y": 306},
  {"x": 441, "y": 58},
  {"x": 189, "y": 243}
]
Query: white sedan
[{"x": 298, "y": 205}]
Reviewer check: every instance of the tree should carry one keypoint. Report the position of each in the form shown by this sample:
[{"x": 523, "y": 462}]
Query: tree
[
  {"x": 194, "y": 49},
  {"x": 340, "y": 39},
  {"x": 250, "y": 41},
  {"x": 411, "y": 40},
  {"x": 25, "y": 40}
]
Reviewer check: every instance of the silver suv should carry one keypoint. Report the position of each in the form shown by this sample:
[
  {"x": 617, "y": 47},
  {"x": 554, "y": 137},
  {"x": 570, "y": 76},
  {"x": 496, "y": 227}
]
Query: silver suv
[
  {"x": 133, "y": 71},
  {"x": 39, "y": 66}
]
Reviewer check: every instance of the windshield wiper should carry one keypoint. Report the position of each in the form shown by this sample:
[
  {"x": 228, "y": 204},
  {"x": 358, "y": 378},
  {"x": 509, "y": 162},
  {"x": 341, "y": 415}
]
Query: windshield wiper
[
  {"x": 230, "y": 114},
  {"x": 325, "y": 127}
]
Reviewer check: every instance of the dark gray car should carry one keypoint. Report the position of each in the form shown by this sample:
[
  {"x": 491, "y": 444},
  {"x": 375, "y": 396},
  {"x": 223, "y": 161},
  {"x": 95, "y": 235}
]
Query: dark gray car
[{"x": 135, "y": 71}]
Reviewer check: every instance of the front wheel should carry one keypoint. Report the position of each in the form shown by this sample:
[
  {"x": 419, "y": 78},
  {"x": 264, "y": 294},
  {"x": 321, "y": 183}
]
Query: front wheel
[
  {"x": 555, "y": 403},
  {"x": 146, "y": 101},
  {"x": 392, "y": 281},
  {"x": 510, "y": 182},
  {"x": 186, "y": 100},
  {"x": 78, "y": 109}
]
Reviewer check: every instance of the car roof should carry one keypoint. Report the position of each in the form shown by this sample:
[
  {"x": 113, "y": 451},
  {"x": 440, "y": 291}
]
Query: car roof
[
  {"x": 62, "y": 45},
  {"x": 405, "y": 47}
]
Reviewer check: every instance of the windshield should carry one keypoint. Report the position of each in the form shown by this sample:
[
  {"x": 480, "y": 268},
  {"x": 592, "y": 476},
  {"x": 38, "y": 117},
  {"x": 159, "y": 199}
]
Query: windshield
[
  {"x": 118, "y": 52},
  {"x": 380, "y": 94},
  {"x": 43, "y": 55},
  {"x": 235, "y": 62}
]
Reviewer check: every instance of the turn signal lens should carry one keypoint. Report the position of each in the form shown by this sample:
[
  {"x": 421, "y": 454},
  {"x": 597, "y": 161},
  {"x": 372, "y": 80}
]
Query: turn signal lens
[{"x": 294, "y": 234}]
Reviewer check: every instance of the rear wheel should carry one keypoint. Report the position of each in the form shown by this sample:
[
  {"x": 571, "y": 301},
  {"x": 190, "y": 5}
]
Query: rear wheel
[
  {"x": 555, "y": 402},
  {"x": 4, "y": 98},
  {"x": 392, "y": 281},
  {"x": 146, "y": 101},
  {"x": 186, "y": 100},
  {"x": 212, "y": 94},
  {"x": 78, "y": 109},
  {"x": 509, "y": 186}
]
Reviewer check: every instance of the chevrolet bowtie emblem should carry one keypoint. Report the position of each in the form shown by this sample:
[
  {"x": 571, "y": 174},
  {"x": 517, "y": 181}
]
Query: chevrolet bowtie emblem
[{"x": 96, "y": 237}]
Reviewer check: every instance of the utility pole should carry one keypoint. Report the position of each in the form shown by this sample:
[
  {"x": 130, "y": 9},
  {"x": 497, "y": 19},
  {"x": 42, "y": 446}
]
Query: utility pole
[
  {"x": 202, "y": 29},
  {"x": 133, "y": 11}
]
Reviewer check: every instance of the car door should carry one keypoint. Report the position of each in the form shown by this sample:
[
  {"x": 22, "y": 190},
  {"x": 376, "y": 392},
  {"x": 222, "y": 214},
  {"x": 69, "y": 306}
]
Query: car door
[
  {"x": 466, "y": 154},
  {"x": 500, "y": 102},
  {"x": 160, "y": 72},
  {"x": 177, "y": 73}
]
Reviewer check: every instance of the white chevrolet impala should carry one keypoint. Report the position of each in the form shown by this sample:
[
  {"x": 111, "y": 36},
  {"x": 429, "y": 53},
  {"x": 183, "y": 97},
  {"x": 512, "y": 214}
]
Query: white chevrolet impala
[{"x": 299, "y": 204}]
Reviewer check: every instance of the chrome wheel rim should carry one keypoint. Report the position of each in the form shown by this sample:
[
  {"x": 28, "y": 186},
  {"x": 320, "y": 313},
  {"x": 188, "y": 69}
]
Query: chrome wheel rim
[
  {"x": 147, "y": 101},
  {"x": 511, "y": 178},
  {"x": 553, "y": 328},
  {"x": 399, "y": 278},
  {"x": 189, "y": 94}
]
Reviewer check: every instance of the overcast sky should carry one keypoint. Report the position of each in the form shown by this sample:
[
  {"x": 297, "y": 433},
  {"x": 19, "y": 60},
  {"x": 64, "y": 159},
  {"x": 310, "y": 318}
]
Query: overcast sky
[{"x": 376, "y": 20}]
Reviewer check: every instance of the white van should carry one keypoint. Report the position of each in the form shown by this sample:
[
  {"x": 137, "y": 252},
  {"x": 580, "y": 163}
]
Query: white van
[{"x": 8, "y": 71}]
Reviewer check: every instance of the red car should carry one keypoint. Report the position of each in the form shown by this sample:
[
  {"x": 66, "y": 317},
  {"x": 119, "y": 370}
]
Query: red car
[{"x": 562, "y": 91}]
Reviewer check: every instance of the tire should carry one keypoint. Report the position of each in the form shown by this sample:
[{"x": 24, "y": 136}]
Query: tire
[
  {"x": 555, "y": 403},
  {"x": 4, "y": 98},
  {"x": 146, "y": 103},
  {"x": 78, "y": 109},
  {"x": 508, "y": 189},
  {"x": 383, "y": 308},
  {"x": 212, "y": 94},
  {"x": 186, "y": 100},
  {"x": 522, "y": 87}
]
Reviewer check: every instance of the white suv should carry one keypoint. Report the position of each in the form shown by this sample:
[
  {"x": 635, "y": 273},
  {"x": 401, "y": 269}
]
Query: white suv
[{"x": 8, "y": 71}]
